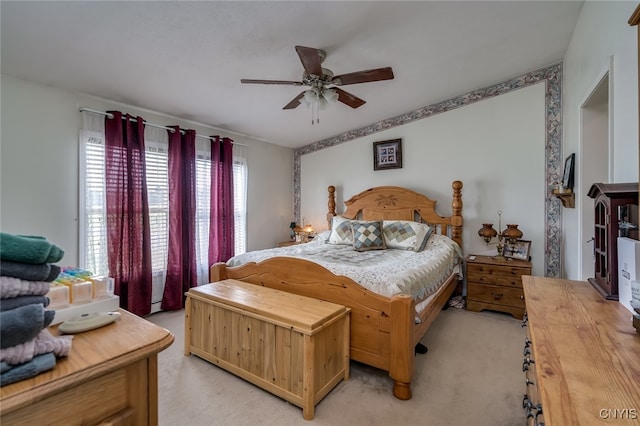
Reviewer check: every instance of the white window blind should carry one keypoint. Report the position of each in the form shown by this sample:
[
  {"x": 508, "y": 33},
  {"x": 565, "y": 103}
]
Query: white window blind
[
  {"x": 203, "y": 188},
  {"x": 93, "y": 230},
  {"x": 240, "y": 171},
  {"x": 157, "y": 174}
]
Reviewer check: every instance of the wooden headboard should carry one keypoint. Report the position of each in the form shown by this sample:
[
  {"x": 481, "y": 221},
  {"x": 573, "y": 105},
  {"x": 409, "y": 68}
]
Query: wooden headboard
[{"x": 397, "y": 203}]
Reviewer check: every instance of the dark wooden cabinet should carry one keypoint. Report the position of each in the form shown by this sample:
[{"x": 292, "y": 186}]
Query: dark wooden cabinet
[{"x": 608, "y": 200}]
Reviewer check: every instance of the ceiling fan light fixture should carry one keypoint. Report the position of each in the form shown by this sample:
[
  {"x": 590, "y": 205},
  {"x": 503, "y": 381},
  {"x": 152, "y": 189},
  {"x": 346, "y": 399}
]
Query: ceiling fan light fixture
[
  {"x": 310, "y": 97},
  {"x": 330, "y": 95}
]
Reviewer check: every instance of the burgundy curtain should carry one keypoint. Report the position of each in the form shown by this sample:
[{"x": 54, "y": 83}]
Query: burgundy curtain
[
  {"x": 128, "y": 231},
  {"x": 221, "y": 239},
  {"x": 181, "y": 262}
]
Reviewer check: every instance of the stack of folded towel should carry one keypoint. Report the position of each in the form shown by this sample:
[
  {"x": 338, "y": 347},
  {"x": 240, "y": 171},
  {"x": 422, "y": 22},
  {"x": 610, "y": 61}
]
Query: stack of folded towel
[{"x": 27, "y": 268}]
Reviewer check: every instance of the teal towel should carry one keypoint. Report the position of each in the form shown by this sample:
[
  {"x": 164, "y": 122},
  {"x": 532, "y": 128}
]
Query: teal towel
[
  {"x": 28, "y": 369},
  {"x": 28, "y": 249}
]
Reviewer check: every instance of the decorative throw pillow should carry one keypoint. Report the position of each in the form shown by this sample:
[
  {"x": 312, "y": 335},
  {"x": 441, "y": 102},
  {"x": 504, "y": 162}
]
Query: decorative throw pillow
[
  {"x": 341, "y": 232},
  {"x": 405, "y": 234},
  {"x": 367, "y": 235}
]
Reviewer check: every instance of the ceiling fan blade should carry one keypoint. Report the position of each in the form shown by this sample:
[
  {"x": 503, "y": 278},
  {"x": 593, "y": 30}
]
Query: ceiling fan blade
[
  {"x": 377, "y": 74},
  {"x": 349, "y": 99},
  {"x": 311, "y": 59},
  {"x": 291, "y": 83},
  {"x": 294, "y": 102}
]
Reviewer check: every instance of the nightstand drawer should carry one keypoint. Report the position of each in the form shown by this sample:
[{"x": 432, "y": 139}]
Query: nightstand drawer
[
  {"x": 488, "y": 274},
  {"x": 496, "y": 295}
]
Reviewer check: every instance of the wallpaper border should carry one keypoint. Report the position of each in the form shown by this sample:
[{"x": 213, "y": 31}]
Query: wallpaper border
[{"x": 551, "y": 76}]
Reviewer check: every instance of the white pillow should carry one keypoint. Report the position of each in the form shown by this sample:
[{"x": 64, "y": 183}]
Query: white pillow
[
  {"x": 341, "y": 232},
  {"x": 406, "y": 234}
]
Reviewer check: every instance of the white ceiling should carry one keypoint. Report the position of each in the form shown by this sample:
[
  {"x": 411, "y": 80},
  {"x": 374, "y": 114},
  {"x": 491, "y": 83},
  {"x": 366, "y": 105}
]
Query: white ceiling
[{"x": 186, "y": 59}]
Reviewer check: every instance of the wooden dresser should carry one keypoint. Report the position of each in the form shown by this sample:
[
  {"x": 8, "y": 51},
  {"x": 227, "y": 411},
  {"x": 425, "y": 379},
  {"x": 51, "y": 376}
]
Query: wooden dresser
[
  {"x": 109, "y": 378},
  {"x": 495, "y": 284},
  {"x": 581, "y": 357}
]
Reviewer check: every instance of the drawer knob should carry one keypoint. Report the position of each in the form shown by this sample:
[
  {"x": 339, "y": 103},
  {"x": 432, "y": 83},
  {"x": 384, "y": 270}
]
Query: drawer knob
[
  {"x": 526, "y": 363},
  {"x": 530, "y": 413},
  {"x": 538, "y": 408},
  {"x": 497, "y": 296},
  {"x": 526, "y": 402}
]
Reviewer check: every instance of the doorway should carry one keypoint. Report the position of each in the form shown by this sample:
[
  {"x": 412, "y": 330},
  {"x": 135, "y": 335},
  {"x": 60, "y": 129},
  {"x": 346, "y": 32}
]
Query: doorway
[{"x": 595, "y": 131}]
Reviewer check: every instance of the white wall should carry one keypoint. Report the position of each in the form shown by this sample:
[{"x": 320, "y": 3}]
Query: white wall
[
  {"x": 496, "y": 147},
  {"x": 602, "y": 33},
  {"x": 39, "y": 167}
]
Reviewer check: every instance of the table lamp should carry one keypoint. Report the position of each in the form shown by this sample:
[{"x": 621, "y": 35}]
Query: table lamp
[{"x": 511, "y": 234}]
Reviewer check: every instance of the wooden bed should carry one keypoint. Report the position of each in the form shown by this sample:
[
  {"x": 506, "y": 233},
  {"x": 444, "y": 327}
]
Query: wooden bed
[{"x": 384, "y": 330}]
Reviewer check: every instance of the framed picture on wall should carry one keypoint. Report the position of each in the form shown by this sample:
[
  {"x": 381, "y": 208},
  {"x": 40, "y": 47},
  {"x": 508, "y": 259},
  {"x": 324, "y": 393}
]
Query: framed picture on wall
[{"x": 387, "y": 154}]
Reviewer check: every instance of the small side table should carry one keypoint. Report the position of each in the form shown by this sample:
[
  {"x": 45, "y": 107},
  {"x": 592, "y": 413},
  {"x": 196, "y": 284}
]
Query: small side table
[{"x": 496, "y": 284}]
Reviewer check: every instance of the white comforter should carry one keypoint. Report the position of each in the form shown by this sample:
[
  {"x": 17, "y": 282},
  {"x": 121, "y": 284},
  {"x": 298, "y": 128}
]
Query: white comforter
[{"x": 385, "y": 272}]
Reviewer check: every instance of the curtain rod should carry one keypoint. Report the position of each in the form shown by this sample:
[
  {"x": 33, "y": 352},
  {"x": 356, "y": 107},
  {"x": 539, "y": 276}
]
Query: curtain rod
[{"x": 149, "y": 124}]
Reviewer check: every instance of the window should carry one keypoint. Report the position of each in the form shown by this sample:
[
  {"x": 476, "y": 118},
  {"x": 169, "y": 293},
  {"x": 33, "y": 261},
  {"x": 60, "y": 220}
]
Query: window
[
  {"x": 93, "y": 229},
  {"x": 93, "y": 243},
  {"x": 240, "y": 199},
  {"x": 157, "y": 172}
]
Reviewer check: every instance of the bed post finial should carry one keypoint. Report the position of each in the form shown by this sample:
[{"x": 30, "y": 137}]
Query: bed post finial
[
  {"x": 332, "y": 204},
  {"x": 456, "y": 217}
]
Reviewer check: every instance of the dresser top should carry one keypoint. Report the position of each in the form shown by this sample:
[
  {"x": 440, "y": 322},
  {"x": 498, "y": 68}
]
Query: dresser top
[
  {"x": 586, "y": 351},
  {"x": 494, "y": 260}
]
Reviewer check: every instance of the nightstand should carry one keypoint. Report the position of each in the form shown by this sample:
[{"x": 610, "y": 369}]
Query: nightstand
[{"x": 496, "y": 284}]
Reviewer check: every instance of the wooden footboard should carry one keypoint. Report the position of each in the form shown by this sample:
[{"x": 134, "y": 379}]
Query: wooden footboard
[{"x": 383, "y": 330}]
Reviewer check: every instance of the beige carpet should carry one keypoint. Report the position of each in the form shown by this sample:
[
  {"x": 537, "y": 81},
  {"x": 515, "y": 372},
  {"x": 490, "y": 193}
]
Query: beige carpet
[{"x": 472, "y": 375}]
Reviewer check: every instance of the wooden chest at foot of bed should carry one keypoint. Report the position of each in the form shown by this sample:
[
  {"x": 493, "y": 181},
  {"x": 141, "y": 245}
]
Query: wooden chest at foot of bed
[{"x": 293, "y": 346}]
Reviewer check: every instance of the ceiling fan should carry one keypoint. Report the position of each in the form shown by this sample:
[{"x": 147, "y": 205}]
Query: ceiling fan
[{"x": 324, "y": 84}]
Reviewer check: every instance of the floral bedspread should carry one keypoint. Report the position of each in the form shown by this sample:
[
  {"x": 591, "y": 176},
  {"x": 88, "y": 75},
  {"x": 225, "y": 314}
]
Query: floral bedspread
[{"x": 386, "y": 272}]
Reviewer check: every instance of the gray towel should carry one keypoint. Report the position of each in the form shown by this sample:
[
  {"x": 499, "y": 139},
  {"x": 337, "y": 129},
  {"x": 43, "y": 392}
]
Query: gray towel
[
  {"x": 16, "y": 302},
  {"x": 29, "y": 369},
  {"x": 43, "y": 343},
  {"x": 14, "y": 287},
  {"x": 22, "y": 324},
  {"x": 26, "y": 271},
  {"x": 28, "y": 249}
]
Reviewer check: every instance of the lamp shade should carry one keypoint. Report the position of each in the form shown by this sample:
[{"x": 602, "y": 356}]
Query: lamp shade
[
  {"x": 487, "y": 232},
  {"x": 512, "y": 233},
  {"x": 330, "y": 95},
  {"x": 310, "y": 97}
]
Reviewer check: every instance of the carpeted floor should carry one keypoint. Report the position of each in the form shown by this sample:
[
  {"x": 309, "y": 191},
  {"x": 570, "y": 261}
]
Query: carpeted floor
[{"x": 472, "y": 375}]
